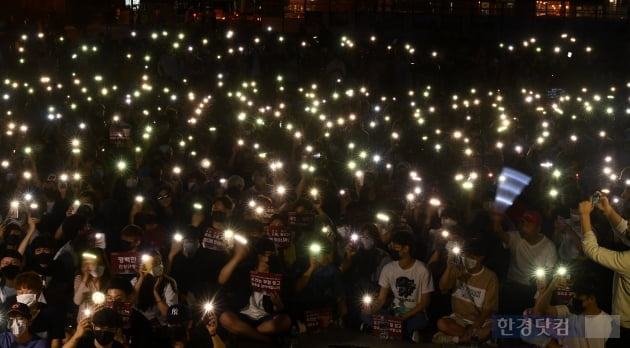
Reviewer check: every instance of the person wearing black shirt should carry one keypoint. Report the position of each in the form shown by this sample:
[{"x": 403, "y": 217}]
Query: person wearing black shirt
[
  {"x": 102, "y": 330},
  {"x": 195, "y": 269}
]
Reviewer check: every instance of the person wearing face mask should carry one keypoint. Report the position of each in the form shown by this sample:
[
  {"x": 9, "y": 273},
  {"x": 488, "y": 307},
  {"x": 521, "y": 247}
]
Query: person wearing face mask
[
  {"x": 585, "y": 301},
  {"x": 182, "y": 333},
  {"x": 130, "y": 238},
  {"x": 10, "y": 266},
  {"x": 410, "y": 283},
  {"x": 136, "y": 329},
  {"x": 99, "y": 331},
  {"x": 40, "y": 257},
  {"x": 221, "y": 212},
  {"x": 259, "y": 187},
  {"x": 184, "y": 261},
  {"x": 45, "y": 321},
  {"x": 155, "y": 290},
  {"x": 361, "y": 268},
  {"x": 94, "y": 277},
  {"x": 19, "y": 334},
  {"x": 255, "y": 315},
  {"x": 474, "y": 296},
  {"x": 12, "y": 236}
]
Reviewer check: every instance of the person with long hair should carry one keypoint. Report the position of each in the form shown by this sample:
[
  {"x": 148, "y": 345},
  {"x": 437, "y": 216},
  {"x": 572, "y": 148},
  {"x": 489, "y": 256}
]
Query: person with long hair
[
  {"x": 94, "y": 276},
  {"x": 155, "y": 290}
]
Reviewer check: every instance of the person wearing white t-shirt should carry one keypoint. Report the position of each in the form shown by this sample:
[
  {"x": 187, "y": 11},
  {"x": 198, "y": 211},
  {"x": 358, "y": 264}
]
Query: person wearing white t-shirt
[
  {"x": 598, "y": 324},
  {"x": 410, "y": 283},
  {"x": 529, "y": 250}
]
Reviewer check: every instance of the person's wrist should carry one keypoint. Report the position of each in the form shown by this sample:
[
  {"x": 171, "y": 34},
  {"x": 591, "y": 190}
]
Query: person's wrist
[{"x": 608, "y": 210}]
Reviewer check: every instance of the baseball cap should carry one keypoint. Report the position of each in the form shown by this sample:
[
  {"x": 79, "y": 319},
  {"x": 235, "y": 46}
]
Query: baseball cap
[
  {"x": 19, "y": 310},
  {"x": 178, "y": 314},
  {"x": 532, "y": 217}
]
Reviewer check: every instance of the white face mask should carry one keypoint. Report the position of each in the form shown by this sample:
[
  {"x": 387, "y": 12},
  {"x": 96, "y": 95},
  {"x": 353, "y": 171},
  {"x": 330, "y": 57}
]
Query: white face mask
[
  {"x": 27, "y": 299},
  {"x": 157, "y": 270},
  {"x": 344, "y": 231},
  {"x": 98, "y": 272},
  {"x": 367, "y": 243},
  {"x": 470, "y": 263},
  {"x": 18, "y": 327}
]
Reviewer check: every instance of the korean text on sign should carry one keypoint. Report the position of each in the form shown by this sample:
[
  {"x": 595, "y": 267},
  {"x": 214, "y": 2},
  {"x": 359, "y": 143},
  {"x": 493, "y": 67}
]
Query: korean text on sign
[
  {"x": 125, "y": 262},
  {"x": 265, "y": 282}
]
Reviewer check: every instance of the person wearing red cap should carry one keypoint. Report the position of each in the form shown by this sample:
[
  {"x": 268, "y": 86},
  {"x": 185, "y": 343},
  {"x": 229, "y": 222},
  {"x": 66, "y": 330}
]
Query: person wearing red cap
[{"x": 529, "y": 251}]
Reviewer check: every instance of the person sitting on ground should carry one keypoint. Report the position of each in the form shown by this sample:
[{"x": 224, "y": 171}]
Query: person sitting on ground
[
  {"x": 411, "y": 284},
  {"x": 182, "y": 333},
  {"x": 318, "y": 283},
  {"x": 253, "y": 314},
  {"x": 474, "y": 298}
]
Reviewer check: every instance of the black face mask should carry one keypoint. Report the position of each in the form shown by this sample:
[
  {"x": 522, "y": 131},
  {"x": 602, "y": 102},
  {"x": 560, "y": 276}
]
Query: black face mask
[
  {"x": 103, "y": 337},
  {"x": 576, "y": 306},
  {"x": 43, "y": 258},
  {"x": 218, "y": 216},
  {"x": 177, "y": 333},
  {"x": 10, "y": 271},
  {"x": 125, "y": 245}
]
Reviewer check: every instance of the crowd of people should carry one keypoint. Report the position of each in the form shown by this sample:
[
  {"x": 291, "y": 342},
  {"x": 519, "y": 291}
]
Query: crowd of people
[{"x": 167, "y": 189}]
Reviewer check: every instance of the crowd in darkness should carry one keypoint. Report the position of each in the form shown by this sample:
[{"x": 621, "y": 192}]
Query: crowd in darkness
[{"x": 149, "y": 180}]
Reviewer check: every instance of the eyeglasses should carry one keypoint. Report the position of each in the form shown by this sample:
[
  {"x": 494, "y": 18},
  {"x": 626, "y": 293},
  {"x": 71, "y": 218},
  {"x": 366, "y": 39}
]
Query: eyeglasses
[{"x": 159, "y": 198}]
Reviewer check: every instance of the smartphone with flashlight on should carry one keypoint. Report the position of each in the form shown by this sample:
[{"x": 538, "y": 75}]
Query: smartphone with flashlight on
[
  {"x": 595, "y": 199},
  {"x": 208, "y": 310}
]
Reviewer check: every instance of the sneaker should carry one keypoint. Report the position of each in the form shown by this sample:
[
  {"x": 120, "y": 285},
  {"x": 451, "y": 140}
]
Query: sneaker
[
  {"x": 416, "y": 337},
  {"x": 442, "y": 338}
]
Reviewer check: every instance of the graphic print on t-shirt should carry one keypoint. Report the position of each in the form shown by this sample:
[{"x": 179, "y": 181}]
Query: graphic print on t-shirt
[
  {"x": 471, "y": 294},
  {"x": 405, "y": 287}
]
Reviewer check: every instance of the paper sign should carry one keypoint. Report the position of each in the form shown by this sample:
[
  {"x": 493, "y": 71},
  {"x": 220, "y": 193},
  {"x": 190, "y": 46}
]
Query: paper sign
[
  {"x": 301, "y": 219},
  {"x": 269, "y": 211},
  {"x": 280, "y": 235},
  {"x": 317, "y": 319},
  {"x": 213, "y": 239},
  {"x": 265, "y": 282},
  {"x": 125, "y": 262},
  {"x": 387, "y": 327},
  {"x": 124, "y": 311},
  {"x": 119, "y": 133}
]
